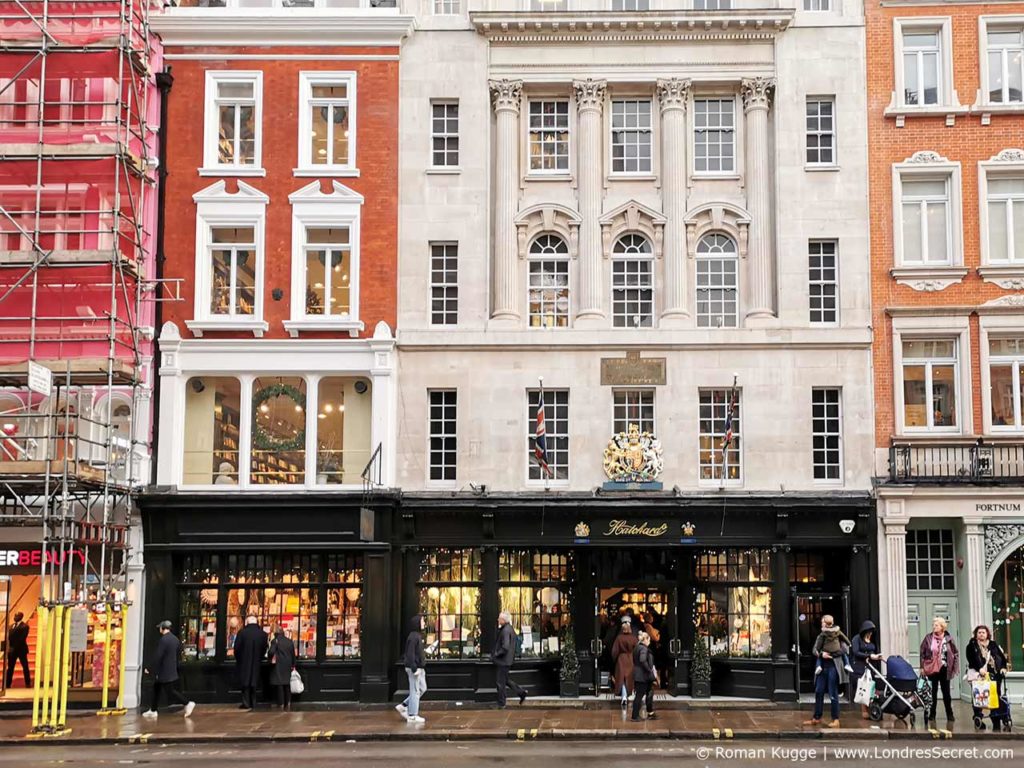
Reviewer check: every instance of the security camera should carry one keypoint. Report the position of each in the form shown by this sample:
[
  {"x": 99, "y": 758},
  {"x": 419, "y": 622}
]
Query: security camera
[{"x": 847, "y": 526}]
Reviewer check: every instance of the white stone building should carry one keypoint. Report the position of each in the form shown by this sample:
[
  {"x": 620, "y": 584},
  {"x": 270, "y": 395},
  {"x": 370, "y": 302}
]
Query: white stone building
[{"x": 677, "y": 182}]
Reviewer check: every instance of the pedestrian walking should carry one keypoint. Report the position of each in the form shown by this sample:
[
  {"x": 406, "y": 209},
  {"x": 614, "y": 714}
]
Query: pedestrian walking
[
  {"x": 865, "y": 649},
  {"x": 828, "y": 680},
  {"x": 412, "y": 660},
  {"x": 165, "y": 672},
  {"x": 250, "y": 651},
  {"x": 17, "y": 651},
  {"x": 282, "y": 662},
  {"x": 622, "y": 656},
  {"x": 645, "y": 675},
  {"x": 503, "y": 656},
  {"x": 986, "y": 659},
  {"x": 940, "y": 662}
]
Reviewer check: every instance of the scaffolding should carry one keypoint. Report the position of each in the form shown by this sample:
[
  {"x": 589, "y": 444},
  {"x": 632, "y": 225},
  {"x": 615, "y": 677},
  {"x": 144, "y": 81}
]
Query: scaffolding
[{"x": 78, "y": 161}]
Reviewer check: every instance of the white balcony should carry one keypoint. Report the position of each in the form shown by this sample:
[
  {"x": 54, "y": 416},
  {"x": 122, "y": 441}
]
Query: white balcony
[{"x": 327, "y": 5}]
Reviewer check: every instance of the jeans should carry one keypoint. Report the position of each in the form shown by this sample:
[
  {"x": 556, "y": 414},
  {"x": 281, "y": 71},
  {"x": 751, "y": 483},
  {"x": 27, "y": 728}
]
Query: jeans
[
  {"x": 643, "y": 691},
  {"x": 504, "y": 681},
  {"x": 412, "y": 703},
  {"x": 173, "y": 694},
  {"x": 940, "y": 680},
  {"x": 827, "y": 680},
  {"x": 21, "y": 656}
]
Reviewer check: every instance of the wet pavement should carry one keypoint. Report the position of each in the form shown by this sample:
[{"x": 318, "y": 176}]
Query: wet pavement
[{"x": 444, "y": 721}]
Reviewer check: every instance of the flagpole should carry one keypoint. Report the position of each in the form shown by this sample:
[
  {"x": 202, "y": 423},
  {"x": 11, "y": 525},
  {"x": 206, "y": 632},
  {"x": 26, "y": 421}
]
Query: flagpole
[
  {"x": 726, "y": 445},
  {"x": 543, "y": 470}
]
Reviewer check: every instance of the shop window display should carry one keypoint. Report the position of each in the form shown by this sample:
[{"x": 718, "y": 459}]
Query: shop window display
[
  {"x": 278, "y": 431},
  {"x": 344, "y": 605},
  {"x": 535, "y": 587},
  {"x": 211, "y": 422},
  {"x": 733, "y": 604},
  {"x": 1008, "y": 608},
  {"x": 449, "y": 588},
  {"x": 343, "y": 423}
]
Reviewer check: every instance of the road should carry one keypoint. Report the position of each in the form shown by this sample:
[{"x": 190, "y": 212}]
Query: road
[{"x": 564, "y": 754}]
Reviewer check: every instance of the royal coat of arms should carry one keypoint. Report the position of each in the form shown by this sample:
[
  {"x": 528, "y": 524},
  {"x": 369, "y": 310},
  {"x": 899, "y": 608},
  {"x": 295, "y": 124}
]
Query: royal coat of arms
[{"x": 633, "y": 457}]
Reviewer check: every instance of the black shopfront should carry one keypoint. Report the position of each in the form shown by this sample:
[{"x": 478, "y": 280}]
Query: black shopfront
[{"x": 750, "y": 575}]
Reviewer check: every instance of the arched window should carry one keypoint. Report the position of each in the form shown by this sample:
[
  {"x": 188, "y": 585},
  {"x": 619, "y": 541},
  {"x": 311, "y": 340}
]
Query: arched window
[
  {"x": 1007, "y": 607},
  {"x": 116, "y": 411},
  {"x": 632, "y": 282},
  {"x": 717, "y": 292},
  {"x": 549, "y": 282},
  {"x": 14, "y": 440}
]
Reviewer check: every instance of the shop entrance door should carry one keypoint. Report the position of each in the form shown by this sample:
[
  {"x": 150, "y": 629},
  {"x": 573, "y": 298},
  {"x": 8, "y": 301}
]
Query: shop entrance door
[
  {"x": 611, "y": 604},
  {"x": 808, "y": 608}
]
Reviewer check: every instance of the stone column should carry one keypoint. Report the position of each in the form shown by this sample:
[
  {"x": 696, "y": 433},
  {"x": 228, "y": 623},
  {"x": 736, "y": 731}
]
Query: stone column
[
  {"x": 673, "y": 95},
  {"x": 506, "y": 97},
  {"x": 974, "y": 567},
  {"x": 757, "y": 95},
  {"x": 589, "y": 162},
  {"x": 895, "y": 642}
]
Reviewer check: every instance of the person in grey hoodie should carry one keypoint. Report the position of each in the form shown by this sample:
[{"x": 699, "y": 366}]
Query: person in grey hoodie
[{"x": 414, "y": 670}]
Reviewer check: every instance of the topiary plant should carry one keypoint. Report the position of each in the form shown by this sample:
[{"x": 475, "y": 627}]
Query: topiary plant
[
  {"x": 700, "y": 666},
  {"x": 570, "y": 671}
]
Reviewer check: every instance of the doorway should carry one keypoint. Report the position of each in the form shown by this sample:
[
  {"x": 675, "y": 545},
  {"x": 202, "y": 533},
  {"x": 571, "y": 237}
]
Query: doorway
[
  {"x": 808, "y": 608},
  {"x": 612, "y": 603},
  {"x": 921, "y": 609}
]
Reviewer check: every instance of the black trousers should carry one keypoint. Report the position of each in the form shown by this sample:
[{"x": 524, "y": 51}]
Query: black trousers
[
  {"x": 940, "y": 680},
  {"x": 248, "y": 696},
  {"x": 284, "y": 695},
  {"x": 173, "y": 694},
  {"x": 504, "y": 681},
  {"x": 643, "y": 692},
  {"x": 21, "y": 656}
]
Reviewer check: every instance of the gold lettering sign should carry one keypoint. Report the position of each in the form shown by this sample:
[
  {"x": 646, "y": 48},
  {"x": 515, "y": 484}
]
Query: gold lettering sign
[
  {"x": 632, "y": 370},
  {"x": 626, "y": 528}
]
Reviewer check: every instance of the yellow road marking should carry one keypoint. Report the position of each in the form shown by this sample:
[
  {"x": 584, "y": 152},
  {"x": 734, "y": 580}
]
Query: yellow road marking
[
  {"x": 521, "y": 734},
  {"x": 716, "y": 733},
  {"x": 314, "y": 735},
  {"x": 728, "y": 733}
]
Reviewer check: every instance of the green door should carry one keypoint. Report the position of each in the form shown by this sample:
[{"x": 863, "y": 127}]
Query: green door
[{"x": 921, "y": 609}]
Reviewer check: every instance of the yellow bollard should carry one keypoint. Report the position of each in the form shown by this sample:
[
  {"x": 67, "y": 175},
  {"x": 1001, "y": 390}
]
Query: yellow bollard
[
  {"x": 55, "y": 665},
  {"x": 122, "y": 654},
  {"x": 47, "y": 661},
  {"x": 40, "y": 666},
  {"x": 65, "y": 678},
  {"x": 106, "y": 658}
]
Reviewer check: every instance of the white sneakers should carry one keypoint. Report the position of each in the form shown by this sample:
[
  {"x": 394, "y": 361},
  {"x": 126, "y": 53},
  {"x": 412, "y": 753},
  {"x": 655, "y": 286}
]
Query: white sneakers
[
  {"x": 150, "y": 713},
  {"x": 415, "y": 719},
  {"x": 400, "y": 709},
  {"x": 189, "y": 707}
]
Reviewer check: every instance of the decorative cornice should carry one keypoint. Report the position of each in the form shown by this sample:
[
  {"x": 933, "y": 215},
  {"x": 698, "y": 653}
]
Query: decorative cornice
[
  {"x": 998, "y": 538},
  {"x": 925, "y": 157},
  {"x": 589, "y": 94},
  {"x": 1009, "y": 156},
  {"x": 1010, "y": 300},
  {"x": 1010, "y": 277},
  {"x": 757, "y": 92},
  {"x": 673, "y": 93},
  {"x": 928, "y": 279},
  {"x": 506, "y": 94}
]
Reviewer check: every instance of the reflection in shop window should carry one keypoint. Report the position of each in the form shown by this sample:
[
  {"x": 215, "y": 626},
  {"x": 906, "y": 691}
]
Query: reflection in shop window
[
  {"x": 198, "y": 597},
  {"x": 343, "y": 427},
  {"x": 211, "y": 423},
  {"x": 328, "y": 253},
  {"x": 344, "y": 606},
  {"x": 278, "y": 431},
  {"x": 535, "y": 587},
  {"x": 1007, "y": 617},
  {"x": 449, "y": 588},
  {"x": 1005, "y": 357},
  {"x": 733, "y": 603}
]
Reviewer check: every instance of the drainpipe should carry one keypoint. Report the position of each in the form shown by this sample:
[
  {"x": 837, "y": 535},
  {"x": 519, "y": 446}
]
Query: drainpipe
[{"x": 164, "y": 81}]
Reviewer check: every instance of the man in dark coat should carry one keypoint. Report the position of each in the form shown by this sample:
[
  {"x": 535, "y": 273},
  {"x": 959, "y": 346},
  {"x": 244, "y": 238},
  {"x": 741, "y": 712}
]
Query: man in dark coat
[
  {"x": 250, "y": 651},
  {"x": 503, "y": 656},
  {"x": 282, "y": 653},
  {"x": 165, "y": 671},
  {"x": 17, "y": 650}
]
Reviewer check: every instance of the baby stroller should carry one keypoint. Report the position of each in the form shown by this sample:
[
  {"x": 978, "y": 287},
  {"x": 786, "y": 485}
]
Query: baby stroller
[{"x": 899, "y": 692}]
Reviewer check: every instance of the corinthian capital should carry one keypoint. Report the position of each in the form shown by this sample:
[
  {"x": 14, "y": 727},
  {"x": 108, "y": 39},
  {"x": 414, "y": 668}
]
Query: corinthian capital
[
  {"x": 673, "y": 93},
  {"x": 505, "y": 94},
  {"x": 757, "y": 92},
  {"x": 589, "y": 94}
]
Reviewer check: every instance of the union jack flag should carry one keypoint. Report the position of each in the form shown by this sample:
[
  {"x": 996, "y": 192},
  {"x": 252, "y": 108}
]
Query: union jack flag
[
  {"x": 727, "y": 440},
  {"x": 540, "y": 439}
]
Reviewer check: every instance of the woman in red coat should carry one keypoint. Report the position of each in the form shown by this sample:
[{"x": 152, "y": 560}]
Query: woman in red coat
[{"x": 622, "y": 656}]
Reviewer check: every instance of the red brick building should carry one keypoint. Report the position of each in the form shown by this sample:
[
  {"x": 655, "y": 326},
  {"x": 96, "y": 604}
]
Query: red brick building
[
  {"x": 946, "y": 102},
  {"x": 277, "y": 367}
]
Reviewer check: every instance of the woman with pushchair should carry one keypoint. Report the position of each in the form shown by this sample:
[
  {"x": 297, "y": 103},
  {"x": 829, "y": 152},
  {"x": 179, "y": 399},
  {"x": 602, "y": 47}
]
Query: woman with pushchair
[{"x": 986, "y": 660}]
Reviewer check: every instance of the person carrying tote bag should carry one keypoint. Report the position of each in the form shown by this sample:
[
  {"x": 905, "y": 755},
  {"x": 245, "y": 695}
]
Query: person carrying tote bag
[{"x": 986, "y": 669}]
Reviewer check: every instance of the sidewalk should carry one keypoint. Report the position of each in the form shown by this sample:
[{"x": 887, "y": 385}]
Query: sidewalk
[{"x": 218, "y": 723}]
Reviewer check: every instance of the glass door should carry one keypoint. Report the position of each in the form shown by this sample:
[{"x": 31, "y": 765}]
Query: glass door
[
  {"x": 808, "y": 608},
  {"x": 649, "y": 606}
]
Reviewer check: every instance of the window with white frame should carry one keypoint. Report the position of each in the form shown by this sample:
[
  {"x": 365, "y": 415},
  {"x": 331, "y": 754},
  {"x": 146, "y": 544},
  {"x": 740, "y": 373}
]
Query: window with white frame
[
  {"x": 1005, "y": 51},
  {"x": 922, "y": 66},
  {"x": 444, "y": 134},
  {"x": 1005, "y": 219},
  {"x": 548, "y": 297},
  {"x": 232, "y": 259},
  {"x": 827, "y": 433},
  {"x": 823, "y": 282},
  {"x": 327, "y": 254},
  {"x": 549, "y": 5},
  {"x": 927, "y": 231},
  {"x": 714, "y": 126},
  {"x": 632, "y": 283},
  {"x": 549, "y": 136},
  {"x": 443, "y": 441},
  {"x": 821, "y": 130},
  {"x": 633, "y": 407},
  {"x": 930, "y": 559},
  {"x": 931, "y": 384},
  {"x": 817, "y": 5},
  {"x": 447, "y": 7},
  {"x": 556, "y": 427},
  {"x": 717, "y": 282},
  {"x": 631, "y": 136},
  {"x": 1005, "y": 357},
  {"x": 234, "y": 106},
  {"x": 444, "y": 283},
  {"x": 718, "y": 460},
  {"x": 327, "y": 121},
  {"x": 631, "y": 5},
  {"x": 712, "y": 5}
]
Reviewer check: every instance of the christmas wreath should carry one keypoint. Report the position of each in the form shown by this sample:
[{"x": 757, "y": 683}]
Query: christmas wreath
[{"x": 263, "y": 440}]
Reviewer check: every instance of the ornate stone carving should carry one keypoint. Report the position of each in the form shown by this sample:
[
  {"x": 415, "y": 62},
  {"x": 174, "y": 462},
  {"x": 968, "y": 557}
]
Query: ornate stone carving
[
  {"x": 757, "y": 92},
  {"x": 998, "y": 538},
  {"x": 930, "y": 285},
  {"x": 1009, "y": 283},
  {"x": 505, "y": 94},
  {"x": 1009, "y": 156},
  {"x": 717, "y": 217},
  {"x": 633, "y": 457},
  {"x": 921, "y": 158},
  {"x": 632, "y": 217},
  {"x": 1013, "y": 300},
  {"x": 673, "y": 93},
  {"x": 589, "y": 93},
  {"x": 554, "y": 219}
]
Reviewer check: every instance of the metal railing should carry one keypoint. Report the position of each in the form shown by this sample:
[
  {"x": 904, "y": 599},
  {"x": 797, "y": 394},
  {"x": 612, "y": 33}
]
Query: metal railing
[{"x": 977, "y": 462}]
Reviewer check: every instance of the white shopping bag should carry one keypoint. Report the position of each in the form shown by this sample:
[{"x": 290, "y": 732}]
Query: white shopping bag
[
  {"x": 421, "y": 681},
  {"x": 865, "y": 690},
  {"x": 295, "y": 683}
]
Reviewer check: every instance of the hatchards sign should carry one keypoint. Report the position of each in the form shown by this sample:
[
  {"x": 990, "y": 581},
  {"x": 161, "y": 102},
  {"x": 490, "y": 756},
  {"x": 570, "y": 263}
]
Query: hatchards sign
[
  {"x": 627, "y": 528},
  {"x": 632, "y": 370}
]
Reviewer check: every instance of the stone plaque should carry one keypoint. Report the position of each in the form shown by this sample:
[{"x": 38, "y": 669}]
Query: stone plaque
[{"x": 632, "y": 371}]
